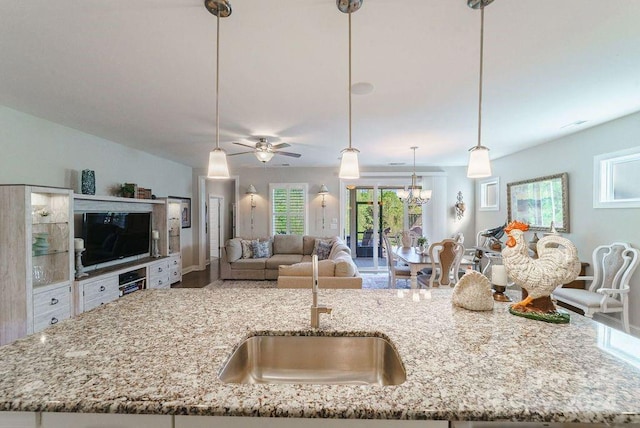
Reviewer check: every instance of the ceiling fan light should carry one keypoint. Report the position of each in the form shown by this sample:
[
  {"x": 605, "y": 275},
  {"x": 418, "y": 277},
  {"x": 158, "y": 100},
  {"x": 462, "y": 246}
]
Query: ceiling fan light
[
  {"x": 218, "y": 167},
  {"x": 264, "y": 156},
  {"x": 349, "y": 168},
  {"x": 479, "y": 163}
]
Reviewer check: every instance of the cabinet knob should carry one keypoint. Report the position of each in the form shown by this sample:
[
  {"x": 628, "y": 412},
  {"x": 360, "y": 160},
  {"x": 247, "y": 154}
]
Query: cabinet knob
[
  {"x": 102, "y": 288},
  {"x": 159, "y": 269},
  {"x": 53, "y": 321},
  {"x": 54, "y": 301}
]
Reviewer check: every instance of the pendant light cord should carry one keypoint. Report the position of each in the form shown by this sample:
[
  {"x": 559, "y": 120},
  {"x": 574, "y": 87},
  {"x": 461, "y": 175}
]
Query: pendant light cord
[
  {"x": 349, "y": 79},
  {"x": 217, "y": 81},
  {"x": 481, "y": 73}
]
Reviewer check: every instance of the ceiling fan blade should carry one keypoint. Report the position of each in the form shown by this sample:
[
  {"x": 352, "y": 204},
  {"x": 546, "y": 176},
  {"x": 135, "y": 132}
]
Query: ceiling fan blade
[
  {"x": 245, "y": 145},
  {"x": 280, "y": 146},
  {"x": 241, "y": 153},
  {"x": 293, "y": 155}
]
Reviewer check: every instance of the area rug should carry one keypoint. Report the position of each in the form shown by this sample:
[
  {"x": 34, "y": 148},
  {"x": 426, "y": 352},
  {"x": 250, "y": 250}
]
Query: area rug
[{"x": 369, "y": 281}]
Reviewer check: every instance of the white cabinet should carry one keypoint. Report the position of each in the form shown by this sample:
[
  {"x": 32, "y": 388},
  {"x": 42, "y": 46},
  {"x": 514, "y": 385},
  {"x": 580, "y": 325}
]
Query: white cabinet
[
  {"x": 170, "y": 242},
  {"x": 159, "y": 274},
  {"x": 91, "y": 420},
  {"x": 18, "y": 420},
  {"x": 175, "y": 267},
  {"x": 95, "y": 292},
  {"x": 50, "y": 306},
  {"x": 257, "y": 422},
  {"x": 37, "y": 241}
]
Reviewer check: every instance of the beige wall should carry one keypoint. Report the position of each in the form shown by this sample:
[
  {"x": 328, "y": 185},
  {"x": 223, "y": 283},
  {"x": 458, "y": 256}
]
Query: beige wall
[
  {"x": 36, "y": 151},
  {"x": 574, "y": 154}
]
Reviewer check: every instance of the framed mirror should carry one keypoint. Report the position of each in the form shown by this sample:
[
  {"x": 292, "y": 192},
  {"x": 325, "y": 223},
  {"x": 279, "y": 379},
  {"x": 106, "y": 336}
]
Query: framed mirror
[{"x": 540, "y": 201}]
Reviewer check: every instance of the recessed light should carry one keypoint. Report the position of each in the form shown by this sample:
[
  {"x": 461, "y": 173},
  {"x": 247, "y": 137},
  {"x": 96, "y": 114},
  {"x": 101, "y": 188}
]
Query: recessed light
[
  {"x": 576, "y": 123},
  {"x": 396, "y": 163},
  {"x": 361, "y": 88}
]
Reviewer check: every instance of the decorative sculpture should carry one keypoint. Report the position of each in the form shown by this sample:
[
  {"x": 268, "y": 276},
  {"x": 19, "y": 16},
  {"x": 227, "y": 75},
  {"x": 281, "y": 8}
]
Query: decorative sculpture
[
  {"x": 557, "y": 264},
  {"x": 473, "y": 292}
]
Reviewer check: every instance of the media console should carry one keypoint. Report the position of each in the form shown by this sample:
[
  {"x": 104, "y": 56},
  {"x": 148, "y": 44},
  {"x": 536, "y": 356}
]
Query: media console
[{"x": 108, "y": 284}]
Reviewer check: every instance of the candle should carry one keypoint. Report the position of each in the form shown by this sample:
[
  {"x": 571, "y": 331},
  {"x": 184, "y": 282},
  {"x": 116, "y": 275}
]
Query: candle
[
  {"x": 78, "y": 244},
  {"x": 498, "y": 275},
  {"x": 155, "y": 234}
]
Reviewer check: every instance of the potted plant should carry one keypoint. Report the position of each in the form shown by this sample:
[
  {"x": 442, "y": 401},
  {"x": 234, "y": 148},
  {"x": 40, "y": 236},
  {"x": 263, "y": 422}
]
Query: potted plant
[
  {"x": 128, "y": 190},
  {"x": 422, "y": 243}
]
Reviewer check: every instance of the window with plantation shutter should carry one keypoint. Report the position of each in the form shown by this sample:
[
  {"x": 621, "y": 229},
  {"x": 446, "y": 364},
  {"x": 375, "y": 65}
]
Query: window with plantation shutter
[{"x": 288, "y": 208}]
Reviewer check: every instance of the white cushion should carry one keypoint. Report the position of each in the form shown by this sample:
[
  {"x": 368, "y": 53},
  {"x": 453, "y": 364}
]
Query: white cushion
[{"x": 583, "y": 298}]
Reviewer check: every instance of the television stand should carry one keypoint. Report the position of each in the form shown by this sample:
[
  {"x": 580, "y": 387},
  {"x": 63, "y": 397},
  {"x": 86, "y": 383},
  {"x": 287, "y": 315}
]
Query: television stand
[{"x": 105, "y": 285}]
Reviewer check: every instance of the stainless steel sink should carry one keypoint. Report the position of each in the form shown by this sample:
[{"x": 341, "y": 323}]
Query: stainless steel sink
[{"x": 315, "y": 359}]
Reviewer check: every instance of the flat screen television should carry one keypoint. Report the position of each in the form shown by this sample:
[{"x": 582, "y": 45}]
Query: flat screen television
[{"x": 114, "y": 235}]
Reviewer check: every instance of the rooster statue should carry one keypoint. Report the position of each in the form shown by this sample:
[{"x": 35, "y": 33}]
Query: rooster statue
[{"x": 557, "y": 264}]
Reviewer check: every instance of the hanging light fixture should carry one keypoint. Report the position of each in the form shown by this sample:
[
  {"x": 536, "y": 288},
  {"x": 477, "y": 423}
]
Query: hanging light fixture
[
  {"x": 218, "y": 167},
  {"x": 414, "y": 195},
  {"x": 349, "y": 167},
  {"x": 479, "y": 163}
]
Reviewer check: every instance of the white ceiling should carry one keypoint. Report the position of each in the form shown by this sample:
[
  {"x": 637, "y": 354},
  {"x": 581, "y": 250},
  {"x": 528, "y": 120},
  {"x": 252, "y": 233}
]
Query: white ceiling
[{"x": 142, "y": 73}]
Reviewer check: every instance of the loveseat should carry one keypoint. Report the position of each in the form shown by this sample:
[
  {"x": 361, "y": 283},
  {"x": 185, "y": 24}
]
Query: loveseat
[{"x": 288, "y": 260}]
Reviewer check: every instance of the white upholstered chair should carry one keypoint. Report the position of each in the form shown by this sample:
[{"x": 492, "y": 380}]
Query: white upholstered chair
[
  {"x": 613, "y": 266},
  {"x": 395, "y": 272}
]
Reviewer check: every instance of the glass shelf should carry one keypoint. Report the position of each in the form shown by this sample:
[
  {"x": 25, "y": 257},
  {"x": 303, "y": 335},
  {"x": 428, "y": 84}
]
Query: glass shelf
[
  {"x": 48, "y": 253},
  {"x": 53, "y": 223}
]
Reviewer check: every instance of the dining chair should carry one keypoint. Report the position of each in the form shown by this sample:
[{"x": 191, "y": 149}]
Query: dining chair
[
  {"x": 395, "y": 272},
  {"x": 445, "y": 256},
  {"x": 613, "y": 266}
]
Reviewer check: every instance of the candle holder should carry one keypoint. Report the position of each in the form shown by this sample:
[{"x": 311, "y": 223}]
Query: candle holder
[
  {"x": 79, "y": 268},
  {"x": 499, "y": 281},
  {"x": 155, "y": 252},
  {"x": 499, "y": 295}
]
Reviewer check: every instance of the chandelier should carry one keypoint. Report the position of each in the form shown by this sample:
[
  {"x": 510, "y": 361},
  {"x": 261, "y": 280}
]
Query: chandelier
[{"x": 414, "y": 195}]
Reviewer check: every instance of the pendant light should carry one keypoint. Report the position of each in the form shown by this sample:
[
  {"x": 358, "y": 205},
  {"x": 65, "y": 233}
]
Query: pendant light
[
  {"x": 218, "y": 167},
  {"x": 413, "y": 195},
  {"x": 349, "y": 167},
  {"x": 479, "y": 163}
]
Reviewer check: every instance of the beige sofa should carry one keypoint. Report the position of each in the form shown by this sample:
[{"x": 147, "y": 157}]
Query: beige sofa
[{"x": 290, "y": 263}]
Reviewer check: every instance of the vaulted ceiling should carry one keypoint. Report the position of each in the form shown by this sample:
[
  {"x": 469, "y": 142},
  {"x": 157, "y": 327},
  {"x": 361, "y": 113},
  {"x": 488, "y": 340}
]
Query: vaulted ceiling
[{"x": 142, "y": 73}]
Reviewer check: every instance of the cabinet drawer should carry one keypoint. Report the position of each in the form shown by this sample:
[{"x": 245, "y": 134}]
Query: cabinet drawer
[
  {"x": 99, "y": 300},
  {"x": 51, "y": 301},
  {"x": 51, "y": 318},
  {"x": 160, "y": 281},
  {"x": 102, "y": 287},
  {"x": 175, "y": 275},
  {"x": 159, "y": 269},
  {"x": 175, "y": 261}
]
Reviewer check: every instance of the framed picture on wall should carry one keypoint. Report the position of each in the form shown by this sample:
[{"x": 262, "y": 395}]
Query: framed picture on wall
[{"x": 185, "y": 211}]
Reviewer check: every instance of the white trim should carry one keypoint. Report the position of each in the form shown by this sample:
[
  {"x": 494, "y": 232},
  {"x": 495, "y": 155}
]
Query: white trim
[
  {"x": 603, "y": 180},
  {"x": 203, "y": 257},
  {"x": 482, "y": 205},
  {"x": 402, "y": 174}
]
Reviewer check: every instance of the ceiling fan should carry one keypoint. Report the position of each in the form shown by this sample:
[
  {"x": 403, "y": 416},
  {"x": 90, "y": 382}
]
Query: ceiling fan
[{"x": 264, "y": 150}]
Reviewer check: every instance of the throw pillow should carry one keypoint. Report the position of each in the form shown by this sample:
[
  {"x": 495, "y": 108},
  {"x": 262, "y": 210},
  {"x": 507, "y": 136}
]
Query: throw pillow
[
  {"x": 261, "y": 250},
  {"x": 247, "y": 249},
  {"x": 322, "y": 249}
]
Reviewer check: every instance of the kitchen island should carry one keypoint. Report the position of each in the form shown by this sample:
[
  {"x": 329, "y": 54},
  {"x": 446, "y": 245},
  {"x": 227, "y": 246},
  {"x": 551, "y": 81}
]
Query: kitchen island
[{"x": 158, "y": 352}]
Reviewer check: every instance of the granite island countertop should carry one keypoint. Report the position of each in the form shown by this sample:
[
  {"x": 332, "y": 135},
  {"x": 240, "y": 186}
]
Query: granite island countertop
[{"x": 159, "y": 352}]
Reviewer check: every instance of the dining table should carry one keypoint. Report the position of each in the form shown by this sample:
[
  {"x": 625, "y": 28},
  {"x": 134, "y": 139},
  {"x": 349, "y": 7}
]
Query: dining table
[{"x": 418, "y": 261}]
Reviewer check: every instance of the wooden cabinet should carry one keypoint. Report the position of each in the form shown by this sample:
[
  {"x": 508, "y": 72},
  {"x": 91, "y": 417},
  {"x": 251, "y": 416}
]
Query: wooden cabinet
[{"x": 37, "y": 258}]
